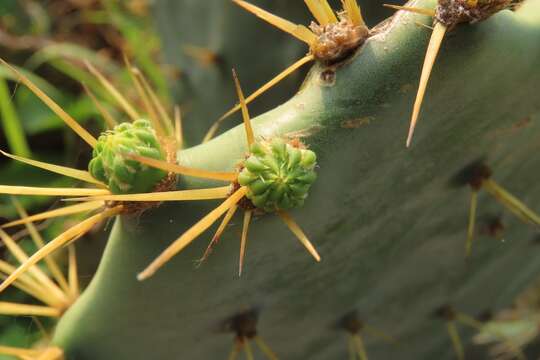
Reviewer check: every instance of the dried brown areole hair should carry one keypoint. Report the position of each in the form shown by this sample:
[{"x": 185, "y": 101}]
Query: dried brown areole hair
[
  {"x": 244, "y": 326},
  {"x": 337, "y": 40},
  {"x": 453, "y": 12}
]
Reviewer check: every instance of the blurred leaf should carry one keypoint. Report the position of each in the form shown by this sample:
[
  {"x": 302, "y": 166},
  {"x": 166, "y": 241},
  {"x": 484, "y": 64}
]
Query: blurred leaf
[
  {"x": 12, "y": 15},
  {"x": 136, "y": 32},
  {"x": 39, "y": 81},
  {"x": 8, "y": 7},
  {"x": 12, "y": 127},
  {"x": 82, "y": 76},
  {"x": 70, "y": 51},
  {"x": 36, "y": 117},
  {"x": 40, "y": 23}
]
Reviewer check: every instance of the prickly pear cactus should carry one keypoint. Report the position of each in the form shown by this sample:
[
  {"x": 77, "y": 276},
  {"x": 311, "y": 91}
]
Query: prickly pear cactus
[{"x": 390, "y": 223}]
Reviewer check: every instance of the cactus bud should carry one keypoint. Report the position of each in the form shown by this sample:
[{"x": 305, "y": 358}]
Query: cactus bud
[
  {"x": 123, "y": 175},
  {"x": 278, "y": 175}
]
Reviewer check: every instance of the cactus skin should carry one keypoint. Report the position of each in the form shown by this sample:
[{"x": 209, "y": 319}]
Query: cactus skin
[
  {"x": 124, "y": 176},
  {"x": 278, "y": 175},
  {"x": 389, "y": 227}
]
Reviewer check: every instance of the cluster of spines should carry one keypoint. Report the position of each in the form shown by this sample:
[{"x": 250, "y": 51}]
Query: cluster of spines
[
  {"x": 325, "y": 40},
  {"x": 123, "y": 152},
  {"x": 102, "y": 202},
  {"x": 228, "y": 208},
  {"x": 446, "y": 15},
  {"x": 52, "y": 290},
  {"x": 479, "y": 178},
  {"x": 131, "y": 149}
]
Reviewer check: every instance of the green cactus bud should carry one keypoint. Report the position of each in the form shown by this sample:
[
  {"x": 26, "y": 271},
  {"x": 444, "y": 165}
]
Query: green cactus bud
[
  {"x": 122, "y": 175},
  {"x": 278, "y": 175}
]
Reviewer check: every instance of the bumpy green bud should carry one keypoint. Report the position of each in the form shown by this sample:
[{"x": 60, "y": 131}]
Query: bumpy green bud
[
  {"x": 278, "y": 175},
  {"x": 123, "y": 175}
]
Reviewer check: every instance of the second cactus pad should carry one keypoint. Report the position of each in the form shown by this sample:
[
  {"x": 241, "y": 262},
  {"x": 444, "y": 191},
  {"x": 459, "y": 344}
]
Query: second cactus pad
[
  {"x": 278, "y": 175},
  {"x": 123, "y": 175}
]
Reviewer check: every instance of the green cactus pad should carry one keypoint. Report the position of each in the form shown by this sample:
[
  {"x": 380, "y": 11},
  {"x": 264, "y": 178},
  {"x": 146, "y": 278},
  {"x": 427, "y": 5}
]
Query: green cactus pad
[
  {"x": 122, "y": 175},
  {"x": 278, "y": 175}
]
